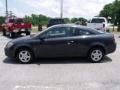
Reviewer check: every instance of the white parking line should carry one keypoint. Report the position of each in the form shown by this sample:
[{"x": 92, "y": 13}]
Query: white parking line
[{"x": 38, "y": 88}]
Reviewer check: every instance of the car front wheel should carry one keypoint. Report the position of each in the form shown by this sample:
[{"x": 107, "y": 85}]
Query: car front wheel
[
  {"x": 24, "y": 56},
  {"x": 96, "y": 55}
]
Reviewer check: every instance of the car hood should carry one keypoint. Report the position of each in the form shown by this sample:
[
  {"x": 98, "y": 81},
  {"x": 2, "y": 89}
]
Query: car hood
[{"x": 22, "y": 39}]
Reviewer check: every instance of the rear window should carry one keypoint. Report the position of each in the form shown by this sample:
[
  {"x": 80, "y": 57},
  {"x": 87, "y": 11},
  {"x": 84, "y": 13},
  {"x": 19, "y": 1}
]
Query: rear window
[
  {"x": 11, "y": 20},
  {"x": 19, "y": 21},
  {"x": 96, "y": 31},
  {"x": 88, "y": 31},
  {"x": 82, "y": 31},
  {"x": 97, "y": 20}
]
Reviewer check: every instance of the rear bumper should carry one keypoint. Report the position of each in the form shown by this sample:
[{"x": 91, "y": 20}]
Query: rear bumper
[
  {"x": 111, "y": 48},
  {"x": 21, "y": 30}
]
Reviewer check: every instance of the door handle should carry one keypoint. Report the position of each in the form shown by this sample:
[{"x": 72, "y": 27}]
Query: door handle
[{"x": 70, "y": 42}]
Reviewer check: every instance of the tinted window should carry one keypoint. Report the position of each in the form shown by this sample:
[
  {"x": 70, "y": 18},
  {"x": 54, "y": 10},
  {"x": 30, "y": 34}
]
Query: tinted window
[
  {"x": 57, "y": 32},
  {"x": 97, "y": 20},
  {"x": 19, "y": 21},
  {"x": 82, "y": 32},
  {"x": 11, "y": 20},
  {"x": 57, "y": 21}
]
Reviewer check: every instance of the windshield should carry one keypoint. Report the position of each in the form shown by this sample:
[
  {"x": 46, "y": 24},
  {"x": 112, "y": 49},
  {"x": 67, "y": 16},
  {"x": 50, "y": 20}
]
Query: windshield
[{"x": 97, "y": 21}]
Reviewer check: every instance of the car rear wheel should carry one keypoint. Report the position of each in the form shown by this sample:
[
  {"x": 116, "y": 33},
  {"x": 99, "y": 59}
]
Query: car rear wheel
[
  {"x": 96, "y": 55},
  {"x": 24, "y": 56}
]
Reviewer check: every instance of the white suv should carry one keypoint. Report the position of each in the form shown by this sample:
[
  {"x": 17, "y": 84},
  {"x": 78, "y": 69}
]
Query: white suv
[{"x": 99, "y": 23}]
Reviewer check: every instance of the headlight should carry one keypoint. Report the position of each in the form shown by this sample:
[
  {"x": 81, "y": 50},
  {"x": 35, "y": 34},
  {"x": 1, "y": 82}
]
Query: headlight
[{"x": 10, "y": 44}]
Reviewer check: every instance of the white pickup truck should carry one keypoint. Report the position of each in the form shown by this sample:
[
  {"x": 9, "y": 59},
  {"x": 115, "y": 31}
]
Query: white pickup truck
[{"x": 99, "y": 23}]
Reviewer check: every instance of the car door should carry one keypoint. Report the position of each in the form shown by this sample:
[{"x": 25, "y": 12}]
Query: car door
[
  {"x": 81, "y": 41},
  {"x": 55, "y": 43}
]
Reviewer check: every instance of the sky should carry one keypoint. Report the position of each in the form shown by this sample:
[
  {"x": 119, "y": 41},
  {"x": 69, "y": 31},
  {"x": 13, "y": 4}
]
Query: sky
[{"x": 51, "y": 8}]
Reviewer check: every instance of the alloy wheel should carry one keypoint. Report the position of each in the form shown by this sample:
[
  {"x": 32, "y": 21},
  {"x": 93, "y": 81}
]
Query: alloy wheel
[
  {"x": 24, "y": 56},
  {"x": 96, "y": 55}
]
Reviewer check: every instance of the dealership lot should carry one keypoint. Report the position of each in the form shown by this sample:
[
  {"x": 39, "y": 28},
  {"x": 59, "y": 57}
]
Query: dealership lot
[{"x": 60, "y": 74}]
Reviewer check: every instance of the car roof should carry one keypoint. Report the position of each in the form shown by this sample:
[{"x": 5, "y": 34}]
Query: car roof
[{"x": 70, "y": 25}]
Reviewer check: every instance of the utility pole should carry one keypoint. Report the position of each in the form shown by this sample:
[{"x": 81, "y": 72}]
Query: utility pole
[
  {"x": 6, "y": 8},
  {"x": 115, "y": 14},
  {"x": 61, "y": 9}
]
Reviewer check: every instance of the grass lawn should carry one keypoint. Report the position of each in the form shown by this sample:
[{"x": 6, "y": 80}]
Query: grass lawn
[{"x": 34, "y": 29}]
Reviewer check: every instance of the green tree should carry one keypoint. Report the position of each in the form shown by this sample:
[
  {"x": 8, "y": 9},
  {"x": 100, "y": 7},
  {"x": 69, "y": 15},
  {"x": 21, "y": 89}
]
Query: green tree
[
  {"x": 2, "y": 20},
  {"x": 73, "y": 20},
  {"x": 112, "y": 10},
  {"x": 82, "y": 21},
  {"x": 37, "y": 19},
  {"x": 67, "y": 20}
]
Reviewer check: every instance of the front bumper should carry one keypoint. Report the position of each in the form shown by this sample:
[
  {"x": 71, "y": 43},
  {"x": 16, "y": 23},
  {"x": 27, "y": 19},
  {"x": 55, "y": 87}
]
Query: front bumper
[{"x": 9, "y": 52}]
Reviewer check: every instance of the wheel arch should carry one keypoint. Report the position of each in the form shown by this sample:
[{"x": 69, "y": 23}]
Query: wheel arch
[
  {"x": 23, "y": 47},
  {"x": 97, "y": 46}
]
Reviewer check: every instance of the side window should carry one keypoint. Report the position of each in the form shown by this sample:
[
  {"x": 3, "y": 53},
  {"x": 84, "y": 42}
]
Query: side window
[
  {"x": 82, "y": 32},
  {"x": 58, "y": 32}
]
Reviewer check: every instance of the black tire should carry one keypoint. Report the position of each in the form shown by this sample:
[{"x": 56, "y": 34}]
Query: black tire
[
  {"x": 28, "y": 33},
  {"x": 11, "y": 34},
  {"x": 29, "y": 60},
  {"x": 98, "y": 57},
  {"x": 108, "y": 30},
  {"x": 4, "y": 32}
]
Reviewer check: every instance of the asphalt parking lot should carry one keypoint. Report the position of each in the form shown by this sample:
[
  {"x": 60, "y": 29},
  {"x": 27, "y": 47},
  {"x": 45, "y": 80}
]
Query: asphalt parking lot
[{"x": 60, "y": 74}]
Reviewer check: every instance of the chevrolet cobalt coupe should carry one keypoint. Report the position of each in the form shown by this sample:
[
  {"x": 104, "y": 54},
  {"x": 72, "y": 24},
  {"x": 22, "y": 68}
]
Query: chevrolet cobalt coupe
[{"x": 62, "y": 41}]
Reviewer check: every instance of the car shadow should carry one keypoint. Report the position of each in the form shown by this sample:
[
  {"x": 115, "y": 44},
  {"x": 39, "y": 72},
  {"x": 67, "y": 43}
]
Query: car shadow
[{"x": 72, "y": 60}]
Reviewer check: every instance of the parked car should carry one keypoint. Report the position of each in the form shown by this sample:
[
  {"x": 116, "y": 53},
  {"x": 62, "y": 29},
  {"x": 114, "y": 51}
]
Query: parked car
[
  {"x": 11, "y": 27},
  {"x": 62, "y": 41},
  {"x": 99, "y": 23},
  {"x": 55, "y": 21}
]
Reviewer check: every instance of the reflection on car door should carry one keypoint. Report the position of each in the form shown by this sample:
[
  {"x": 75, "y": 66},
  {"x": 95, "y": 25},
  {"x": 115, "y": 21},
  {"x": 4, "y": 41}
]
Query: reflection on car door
[{"x": 51, "y": 47}]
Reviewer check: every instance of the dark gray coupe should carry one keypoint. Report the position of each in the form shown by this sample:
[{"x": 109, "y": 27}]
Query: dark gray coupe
[{"x": 62, "y": 41}]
